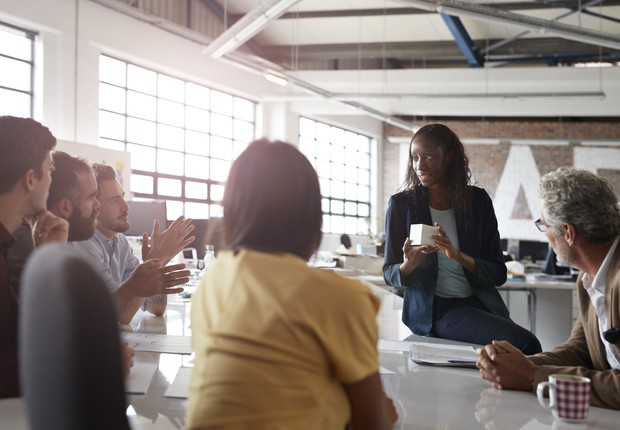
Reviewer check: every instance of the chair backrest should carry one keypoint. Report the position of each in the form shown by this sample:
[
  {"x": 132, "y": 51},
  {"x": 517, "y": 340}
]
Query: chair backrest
[{"x": 70, "y": 356}]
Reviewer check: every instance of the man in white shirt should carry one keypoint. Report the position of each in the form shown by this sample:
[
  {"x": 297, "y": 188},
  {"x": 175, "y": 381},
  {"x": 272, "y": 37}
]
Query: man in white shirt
[
  {"x": 113, "y": 257},
  {"x": 581, "y": 218}
]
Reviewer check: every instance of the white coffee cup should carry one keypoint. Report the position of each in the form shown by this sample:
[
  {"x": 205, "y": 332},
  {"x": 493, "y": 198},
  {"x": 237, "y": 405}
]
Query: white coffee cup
[{"x": 569, "y": 397}]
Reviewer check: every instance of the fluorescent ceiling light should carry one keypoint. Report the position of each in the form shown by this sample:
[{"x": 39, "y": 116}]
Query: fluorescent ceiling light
[
  {"x": 248, "y": 26},
  {"x": 271, "y": 77}
]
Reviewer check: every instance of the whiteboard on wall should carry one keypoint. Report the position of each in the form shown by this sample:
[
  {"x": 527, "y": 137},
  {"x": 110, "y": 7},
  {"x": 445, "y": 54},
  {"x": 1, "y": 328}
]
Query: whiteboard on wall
[{"x": 119, "y": 160}]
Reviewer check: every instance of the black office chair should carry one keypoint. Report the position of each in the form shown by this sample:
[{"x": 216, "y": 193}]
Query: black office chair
[{"x": 70, "y": 356}]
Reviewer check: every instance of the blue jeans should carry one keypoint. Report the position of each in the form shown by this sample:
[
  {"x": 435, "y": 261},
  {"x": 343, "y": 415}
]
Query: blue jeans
[{"x": 469, "y": 320}]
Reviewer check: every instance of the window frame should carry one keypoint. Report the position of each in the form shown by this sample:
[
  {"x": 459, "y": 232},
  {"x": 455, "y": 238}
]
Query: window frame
[
  {"x": 31, "y": 35},
  {"x": 212, "y": 198},
  {"x": 329, "y": 201}
]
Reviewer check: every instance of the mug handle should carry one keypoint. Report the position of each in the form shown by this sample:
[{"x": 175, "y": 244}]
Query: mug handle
[{"x": 541, "y": 398}]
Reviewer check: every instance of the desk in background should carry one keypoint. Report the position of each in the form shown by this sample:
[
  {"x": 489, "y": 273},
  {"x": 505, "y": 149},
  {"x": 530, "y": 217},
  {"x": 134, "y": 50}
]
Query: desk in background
[{"x": 545, "y": 305}]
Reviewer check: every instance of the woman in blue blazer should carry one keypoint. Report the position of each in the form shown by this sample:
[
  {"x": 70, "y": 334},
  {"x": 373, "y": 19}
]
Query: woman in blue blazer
[{"x": 451, "y": 285}]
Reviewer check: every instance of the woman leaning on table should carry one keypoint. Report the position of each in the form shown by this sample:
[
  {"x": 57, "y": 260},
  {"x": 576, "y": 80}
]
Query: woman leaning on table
[
  {"x": 279, "y": 344},
  {"x": 450, "y": 286}
]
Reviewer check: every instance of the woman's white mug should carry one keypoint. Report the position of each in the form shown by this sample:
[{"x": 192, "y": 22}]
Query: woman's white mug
[{"x": 569, "y": 397}]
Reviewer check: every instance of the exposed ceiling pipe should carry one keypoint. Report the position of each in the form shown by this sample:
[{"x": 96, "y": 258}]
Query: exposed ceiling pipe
[
  {"x": 564, "y": 15},
  {"x": 486, "y": 13},
  {"x": 344, "y": 97}
]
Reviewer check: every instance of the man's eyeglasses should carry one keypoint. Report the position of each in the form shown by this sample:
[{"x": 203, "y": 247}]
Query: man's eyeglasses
[{"x": 541, "y": 225}]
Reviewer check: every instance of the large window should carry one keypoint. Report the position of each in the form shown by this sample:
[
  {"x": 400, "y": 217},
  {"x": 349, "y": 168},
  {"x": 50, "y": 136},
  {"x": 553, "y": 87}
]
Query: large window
[
  {"x": 182, "y": 136},
  {"x": 16, "y": 71},
  {"x": 342, "y": 161}
]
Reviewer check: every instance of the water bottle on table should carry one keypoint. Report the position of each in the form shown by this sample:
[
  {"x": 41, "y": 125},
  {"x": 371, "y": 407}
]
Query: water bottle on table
[{"x": 208, "y": 259}]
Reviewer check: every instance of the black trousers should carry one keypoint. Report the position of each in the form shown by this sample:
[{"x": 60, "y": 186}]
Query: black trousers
[{"x": 469, "y": 320}]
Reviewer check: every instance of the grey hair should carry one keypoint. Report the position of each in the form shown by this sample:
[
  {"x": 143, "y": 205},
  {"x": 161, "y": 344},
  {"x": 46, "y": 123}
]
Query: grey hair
[{"x": 581, "y": 198}]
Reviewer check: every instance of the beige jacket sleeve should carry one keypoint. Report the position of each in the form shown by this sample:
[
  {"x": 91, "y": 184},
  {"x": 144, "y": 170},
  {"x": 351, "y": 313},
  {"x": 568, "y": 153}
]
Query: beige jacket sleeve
[{"x": 584, "y": 353}]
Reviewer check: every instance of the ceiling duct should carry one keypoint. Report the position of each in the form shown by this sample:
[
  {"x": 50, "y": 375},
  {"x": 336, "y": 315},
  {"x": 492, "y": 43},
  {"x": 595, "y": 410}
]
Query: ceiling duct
[
  {"x": 486, "y": 13},
  {"x": 342, "y": 97}
]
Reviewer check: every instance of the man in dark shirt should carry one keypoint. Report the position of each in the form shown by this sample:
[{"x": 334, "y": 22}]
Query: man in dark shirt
[{"x": 26, "y": 165}]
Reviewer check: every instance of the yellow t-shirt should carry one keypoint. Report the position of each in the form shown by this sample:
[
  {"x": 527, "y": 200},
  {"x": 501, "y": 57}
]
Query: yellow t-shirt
[{"x": 274, "y": 342}]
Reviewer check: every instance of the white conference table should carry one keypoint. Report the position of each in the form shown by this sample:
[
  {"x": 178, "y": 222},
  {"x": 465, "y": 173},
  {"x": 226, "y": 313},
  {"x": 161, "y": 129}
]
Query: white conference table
[
  {"x": 429, "y": 397},
  {"x": 426, "y": 397}
]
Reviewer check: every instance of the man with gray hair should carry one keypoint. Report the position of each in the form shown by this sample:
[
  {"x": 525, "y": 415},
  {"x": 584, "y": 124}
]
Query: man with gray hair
[{"x": 581, "y": 218}]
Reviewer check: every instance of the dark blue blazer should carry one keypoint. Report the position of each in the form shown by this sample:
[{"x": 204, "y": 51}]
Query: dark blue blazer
[{"x": 480, "y": 240}]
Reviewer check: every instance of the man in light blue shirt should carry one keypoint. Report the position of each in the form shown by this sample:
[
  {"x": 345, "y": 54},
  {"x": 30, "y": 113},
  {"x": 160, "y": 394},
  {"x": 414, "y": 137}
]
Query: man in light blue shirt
[{"x": 110, "y": 252}]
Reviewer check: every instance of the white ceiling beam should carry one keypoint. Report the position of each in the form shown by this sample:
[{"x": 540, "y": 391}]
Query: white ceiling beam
[{"x": 247, "y": 27}]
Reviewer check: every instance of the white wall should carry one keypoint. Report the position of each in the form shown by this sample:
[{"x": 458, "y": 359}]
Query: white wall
[
  {"x": 119, "y": 160},
  {"x": 67, "y": 72},
  {"x": 69, "y": 102}
]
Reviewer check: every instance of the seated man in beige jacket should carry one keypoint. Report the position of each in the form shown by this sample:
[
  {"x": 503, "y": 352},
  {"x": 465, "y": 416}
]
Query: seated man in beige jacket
[{"x": 581, "y": 219}]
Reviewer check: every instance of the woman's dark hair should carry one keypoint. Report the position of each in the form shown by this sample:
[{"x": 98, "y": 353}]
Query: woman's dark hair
[
  {"x": 458, "y": 173},
  {"x": 272, "y": 201}
]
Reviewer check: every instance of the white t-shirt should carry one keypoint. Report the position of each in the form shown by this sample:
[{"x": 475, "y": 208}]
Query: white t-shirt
[{"x": 451, "y": 281}]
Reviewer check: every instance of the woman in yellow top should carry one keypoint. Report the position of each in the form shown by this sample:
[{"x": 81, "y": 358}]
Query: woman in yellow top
[{"x": 280, "y": 345}]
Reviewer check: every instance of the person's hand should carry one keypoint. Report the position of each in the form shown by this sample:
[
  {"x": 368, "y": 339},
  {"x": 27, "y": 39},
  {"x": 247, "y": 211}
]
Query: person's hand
[
  {"x": 167, "y": 244},
  {"x": 127, "y": 354},
  {"x": 157, "y": 304},
  {"x": 505, "y": 367},
  {"x": 391, "y": 413},
  {"x": 151, "y": 278},
  {"x": 49, "y": 228},
  {"x": 487, "y": 410},
  {"x": 413, "y": 256},
  {"x": 444, "y": 244}
]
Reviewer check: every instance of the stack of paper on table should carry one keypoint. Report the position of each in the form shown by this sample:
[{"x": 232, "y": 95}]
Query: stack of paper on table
[
  {"x": 439, "y": 354},
  {"x": 164, "y": 343}
]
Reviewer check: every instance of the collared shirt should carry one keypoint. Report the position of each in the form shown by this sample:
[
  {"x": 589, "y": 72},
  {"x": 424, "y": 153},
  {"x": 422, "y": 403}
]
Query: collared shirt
[
  {"x": 9, "y": 370},
  {"x": 112, "y": 258},
  {"x": 596, "y": 290}
]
